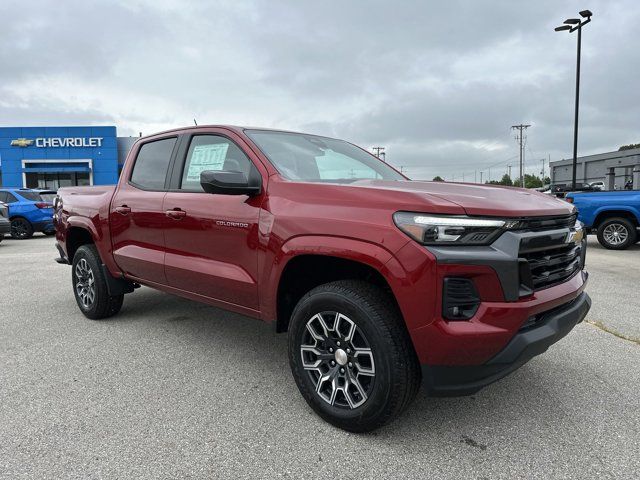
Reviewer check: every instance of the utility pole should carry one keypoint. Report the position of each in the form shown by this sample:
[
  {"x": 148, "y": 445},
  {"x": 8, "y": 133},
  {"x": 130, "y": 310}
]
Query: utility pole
[
  {"x": 542, "y": 172},
  {"x": 379, "y": 151},
  {"x": 481, "y": 172},
  {"x": 520, "y": 138},
  {"x": 509, "y": 167},
  {"x": 475, "y": 176}
]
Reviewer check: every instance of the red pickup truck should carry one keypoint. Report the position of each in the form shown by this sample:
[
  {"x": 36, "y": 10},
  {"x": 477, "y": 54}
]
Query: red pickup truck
[{"x": 382, "y": 283}]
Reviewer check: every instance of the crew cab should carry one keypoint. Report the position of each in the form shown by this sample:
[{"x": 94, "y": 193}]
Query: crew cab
[
  {"x": 613, "y": 215},
  {"x": 382, "y": 283}
]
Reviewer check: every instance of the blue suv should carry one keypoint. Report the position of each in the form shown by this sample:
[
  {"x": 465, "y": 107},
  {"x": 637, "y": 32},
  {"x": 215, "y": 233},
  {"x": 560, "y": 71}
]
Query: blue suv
[{"x": 29, "y": 211}]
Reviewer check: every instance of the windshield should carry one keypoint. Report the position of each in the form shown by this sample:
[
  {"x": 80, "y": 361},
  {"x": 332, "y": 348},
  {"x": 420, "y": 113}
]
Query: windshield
[{"x": 310, "y": 158}]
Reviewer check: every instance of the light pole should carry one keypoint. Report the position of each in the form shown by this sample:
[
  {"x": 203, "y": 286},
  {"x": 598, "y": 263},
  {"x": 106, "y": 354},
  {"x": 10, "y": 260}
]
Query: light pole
[{"x": 573, "y": 24}]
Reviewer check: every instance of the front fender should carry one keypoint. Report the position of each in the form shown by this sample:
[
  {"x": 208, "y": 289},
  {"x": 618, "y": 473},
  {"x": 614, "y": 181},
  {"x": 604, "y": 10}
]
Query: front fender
[{"x": 355, "y": 250}]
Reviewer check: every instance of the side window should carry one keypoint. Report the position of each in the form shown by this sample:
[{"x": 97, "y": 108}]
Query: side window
[
  {"x": 211, "y": 152},
  {"x": 3, "y": 197},
  {"x": 152, "y": 163},
  {"x": 9, "y": 198}
]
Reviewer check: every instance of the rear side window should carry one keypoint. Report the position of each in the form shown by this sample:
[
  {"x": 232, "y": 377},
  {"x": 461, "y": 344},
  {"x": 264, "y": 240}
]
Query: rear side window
[
  {"x": 152, "y": 163},
  {"x": 31, "y": 196}
]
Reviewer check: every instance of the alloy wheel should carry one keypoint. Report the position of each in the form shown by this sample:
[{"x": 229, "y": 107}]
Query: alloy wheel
[
  {"x": 615, "y": 234},
  {"x": 19, "y": 228},
  {"x": 85, "y": 283},
  {"x": 338, "y": 359}
]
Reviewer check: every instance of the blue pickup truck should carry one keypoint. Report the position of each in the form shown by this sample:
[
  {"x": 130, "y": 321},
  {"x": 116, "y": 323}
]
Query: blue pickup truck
[{"x": 613, "y": 215}]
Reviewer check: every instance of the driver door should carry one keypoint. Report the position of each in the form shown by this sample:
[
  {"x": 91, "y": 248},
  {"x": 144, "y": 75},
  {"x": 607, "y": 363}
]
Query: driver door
[{"x": 211, "y": 240}]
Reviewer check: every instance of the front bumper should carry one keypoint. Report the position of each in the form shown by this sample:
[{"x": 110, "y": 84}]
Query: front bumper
[{"x": 532, "y": 340}]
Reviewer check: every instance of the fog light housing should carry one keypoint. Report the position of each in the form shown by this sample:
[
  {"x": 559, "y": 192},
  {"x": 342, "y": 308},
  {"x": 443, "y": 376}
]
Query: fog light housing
[{"x": 460, "y": 300}]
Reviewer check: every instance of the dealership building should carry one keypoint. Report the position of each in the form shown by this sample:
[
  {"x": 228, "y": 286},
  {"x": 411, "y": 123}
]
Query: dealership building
[
  {"x": 613, "y": 168},
  {"x": 53, "y": 157}
]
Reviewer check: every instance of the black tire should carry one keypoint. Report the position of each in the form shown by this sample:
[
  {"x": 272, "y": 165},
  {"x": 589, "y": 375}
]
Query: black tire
[
  {"x": 50, "y": 233},
  {"x": 626, "y": 233},
  {"x": 396, "y": 372},
  {"x": 1, "y": 238},
  {"x": 100, "y": 305},
  {"x": 21, "y": 228}
]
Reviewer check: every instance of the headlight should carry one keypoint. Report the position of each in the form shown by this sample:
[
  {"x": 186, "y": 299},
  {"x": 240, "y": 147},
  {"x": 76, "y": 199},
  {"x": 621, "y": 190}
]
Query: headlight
[{"x": 450, "y": 230}]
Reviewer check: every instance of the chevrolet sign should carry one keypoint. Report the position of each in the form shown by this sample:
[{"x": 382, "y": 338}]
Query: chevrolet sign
[
  {"x": 21, "y": 142},
  {"x": 59, "y": 142},
  {"x": 69, "y": 142}
]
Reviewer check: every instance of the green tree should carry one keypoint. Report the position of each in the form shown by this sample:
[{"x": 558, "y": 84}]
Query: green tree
[
  {"x": 530, "y": 181},
  {"x": 438, "y": 178},
  {"x": 629, "y": 147},
  {"x": 506, "y": 180}
]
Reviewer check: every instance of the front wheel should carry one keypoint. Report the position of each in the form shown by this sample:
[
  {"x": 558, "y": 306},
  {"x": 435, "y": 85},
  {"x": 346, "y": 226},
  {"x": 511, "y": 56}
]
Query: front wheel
[
  {"x": 351, "y": 355},
  {"x": 616, "y": 234},
  {"x": 90, "y": 287}
]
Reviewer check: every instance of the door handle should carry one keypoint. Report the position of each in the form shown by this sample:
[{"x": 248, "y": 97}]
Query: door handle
[
  {"x": 123, "y": 210},
  {"x": 176, "y": 213}
]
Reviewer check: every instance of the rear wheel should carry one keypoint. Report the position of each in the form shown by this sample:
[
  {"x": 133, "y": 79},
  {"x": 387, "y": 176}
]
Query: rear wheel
[
  {"x": 616, "y": 234},
  {"x": 89, "y": 286},
  {"x": 50, "y": 233},
  {"x": 21, "y": 228},
  {"x": 351, "y": 356}
]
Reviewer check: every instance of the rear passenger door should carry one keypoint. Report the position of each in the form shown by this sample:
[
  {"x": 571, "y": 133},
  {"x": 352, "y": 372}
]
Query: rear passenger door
[{"x": 136, "y": 214}]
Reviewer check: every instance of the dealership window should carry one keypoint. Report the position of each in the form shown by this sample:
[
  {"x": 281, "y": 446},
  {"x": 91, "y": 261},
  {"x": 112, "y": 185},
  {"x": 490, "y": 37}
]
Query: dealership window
[
  {"x": 55, "y": 180},
  {"x": 152, "y": 164}
]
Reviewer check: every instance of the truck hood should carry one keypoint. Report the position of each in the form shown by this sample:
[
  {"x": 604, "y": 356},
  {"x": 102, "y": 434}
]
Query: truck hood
[{"x": 486, "y": 200}]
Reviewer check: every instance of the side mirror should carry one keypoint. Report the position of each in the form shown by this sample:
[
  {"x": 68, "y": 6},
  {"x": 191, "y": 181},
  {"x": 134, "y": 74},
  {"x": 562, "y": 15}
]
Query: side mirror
[{"x": 226, "y": 182}]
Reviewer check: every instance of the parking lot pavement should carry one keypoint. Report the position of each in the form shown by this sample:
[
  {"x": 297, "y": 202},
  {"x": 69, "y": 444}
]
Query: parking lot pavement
[
  {"x": 615, "y": 282},
  {"x": 172, "y": 388}
]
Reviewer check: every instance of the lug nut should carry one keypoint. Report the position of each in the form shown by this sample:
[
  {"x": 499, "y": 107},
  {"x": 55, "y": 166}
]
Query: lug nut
[
  {"x": 342, "y": 370},
  {"x": 331, "y": 350},
  {"x": 350, "y": 365},
  {"x": 333, "y": 363},
  {"x": 338, "y": 343},
  {"x": 348, "y": 350}
]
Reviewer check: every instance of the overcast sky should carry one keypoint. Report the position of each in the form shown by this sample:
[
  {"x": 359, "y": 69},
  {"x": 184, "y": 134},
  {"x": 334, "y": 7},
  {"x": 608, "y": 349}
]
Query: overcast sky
[{"x": 437, "y": 83}]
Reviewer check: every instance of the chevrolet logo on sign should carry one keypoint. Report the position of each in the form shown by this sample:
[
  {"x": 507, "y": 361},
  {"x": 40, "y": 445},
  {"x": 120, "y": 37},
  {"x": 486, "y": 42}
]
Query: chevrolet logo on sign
[{"x": 21, "y": 142}]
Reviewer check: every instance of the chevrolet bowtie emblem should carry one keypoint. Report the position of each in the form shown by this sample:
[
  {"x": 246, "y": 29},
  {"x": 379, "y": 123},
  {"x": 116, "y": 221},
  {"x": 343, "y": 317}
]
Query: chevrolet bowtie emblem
[{"x": 21, "y": 142}]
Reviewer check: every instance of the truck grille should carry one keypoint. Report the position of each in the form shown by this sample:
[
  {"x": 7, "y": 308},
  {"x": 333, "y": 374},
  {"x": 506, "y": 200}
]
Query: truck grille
[
  {"x": 547, "y": 223},
  {"x": 547, "y": 259},
  {"x": 550, "y": 267}
]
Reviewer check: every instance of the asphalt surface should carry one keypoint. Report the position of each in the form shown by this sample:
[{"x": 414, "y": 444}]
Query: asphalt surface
[{"x": 174, "y": 389}]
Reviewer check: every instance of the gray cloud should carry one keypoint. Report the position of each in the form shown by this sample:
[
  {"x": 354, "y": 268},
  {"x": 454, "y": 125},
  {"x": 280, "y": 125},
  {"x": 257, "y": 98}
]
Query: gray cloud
[{"x": 437, "y": 83}]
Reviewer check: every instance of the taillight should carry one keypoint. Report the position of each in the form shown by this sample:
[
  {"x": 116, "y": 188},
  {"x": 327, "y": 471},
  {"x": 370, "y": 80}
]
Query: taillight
[{"x": 43, "y": 205}]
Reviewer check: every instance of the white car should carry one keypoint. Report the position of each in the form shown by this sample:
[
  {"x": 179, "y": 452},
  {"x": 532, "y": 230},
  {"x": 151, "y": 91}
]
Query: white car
[{"x": 597, "y": 185}]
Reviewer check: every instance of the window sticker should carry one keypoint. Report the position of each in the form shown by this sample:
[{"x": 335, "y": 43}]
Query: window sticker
[{"x": 206, "y": 157}]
